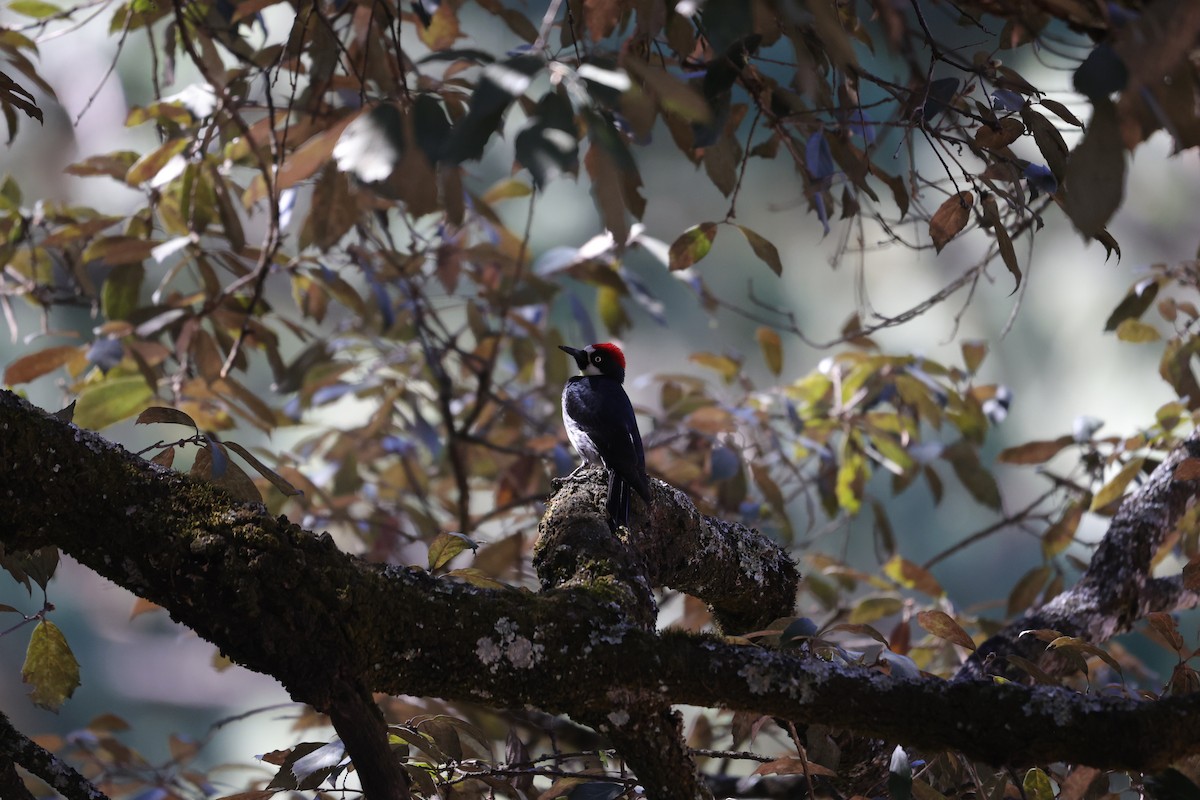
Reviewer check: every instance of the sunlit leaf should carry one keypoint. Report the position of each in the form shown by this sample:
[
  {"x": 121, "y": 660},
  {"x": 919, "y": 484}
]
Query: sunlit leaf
[
  {"x": 34, "y": 8},
  {"x": 726, "y": 366},
  {"x": 1137, "y": 332},
  {"x": 445, "y": 547},
  {"x": 870, "y": 609},
  {"x": 102, "y": 404},
  {"x": 692, "y": 245},
  {"x": 852, "y": 477},
  {"x": 442, "y": 29},
  {"x": 1037, "y": 785}
]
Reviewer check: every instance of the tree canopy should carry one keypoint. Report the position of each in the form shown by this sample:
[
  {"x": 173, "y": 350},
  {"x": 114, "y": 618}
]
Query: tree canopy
[{"x": 345, "y": 249}]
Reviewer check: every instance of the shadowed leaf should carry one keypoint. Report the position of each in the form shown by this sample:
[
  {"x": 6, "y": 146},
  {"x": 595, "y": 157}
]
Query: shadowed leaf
[
  {"x": 950, "y": 218},
  {"x": 942, "y": 625},
  {"x": 50, "y": 667}
]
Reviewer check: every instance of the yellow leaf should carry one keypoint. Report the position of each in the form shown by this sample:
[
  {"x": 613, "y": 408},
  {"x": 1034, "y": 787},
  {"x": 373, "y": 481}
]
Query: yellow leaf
[
  {"x": 1113, "y": 490},
  {"x": 772, "y": 349},
  {"x": 1137, "y": 332},
  {"x": 50, "y": 667},
  {"x": 442, "y": 29},
  {"x": 726, "y": 366},
  {"x": 692, "y": 245}
]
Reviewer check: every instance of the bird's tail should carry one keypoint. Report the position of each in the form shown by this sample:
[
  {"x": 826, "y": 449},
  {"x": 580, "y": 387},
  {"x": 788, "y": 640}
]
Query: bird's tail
[{"x": 617, "y": 504}]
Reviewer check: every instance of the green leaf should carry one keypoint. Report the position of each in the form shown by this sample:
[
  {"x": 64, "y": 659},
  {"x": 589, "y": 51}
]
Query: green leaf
[
  {"x": 762, "y": 248},
  {"x": 612, "y": 313},
  {"x": 120, "y": 292},
  {"x": 1037, "y": 785},
  {"x": 692, "y": 245},
  {"x": 851, "y": 479},
  {"x": 34, "y": 8},
  {"x": 117, "y": 398},
  {"x": 50, "y": 667},
  {"x": 445, "y": 547},
  {"x": 870, "y": 609}
]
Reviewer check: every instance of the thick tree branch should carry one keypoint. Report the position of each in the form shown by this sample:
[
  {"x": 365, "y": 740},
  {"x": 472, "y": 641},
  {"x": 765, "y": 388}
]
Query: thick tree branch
[
  {"x": 286, "y": 602},
  {"x": 1117, "y": 589}
]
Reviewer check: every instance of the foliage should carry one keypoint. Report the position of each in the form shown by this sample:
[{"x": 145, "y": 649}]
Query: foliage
[{"x": 329, "y": 212}]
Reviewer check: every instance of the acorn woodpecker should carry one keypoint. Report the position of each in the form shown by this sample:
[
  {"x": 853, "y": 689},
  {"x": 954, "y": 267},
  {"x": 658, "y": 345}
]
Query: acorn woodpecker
[{"x": 602, "y": 427}]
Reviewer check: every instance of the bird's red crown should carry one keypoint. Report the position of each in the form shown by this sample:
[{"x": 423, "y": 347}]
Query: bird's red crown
[{"x": 613, "y": 351}]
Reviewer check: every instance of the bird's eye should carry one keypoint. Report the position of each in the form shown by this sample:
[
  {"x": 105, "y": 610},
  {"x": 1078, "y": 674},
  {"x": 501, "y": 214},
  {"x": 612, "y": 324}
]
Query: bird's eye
[{"x": 597, "y": 359}]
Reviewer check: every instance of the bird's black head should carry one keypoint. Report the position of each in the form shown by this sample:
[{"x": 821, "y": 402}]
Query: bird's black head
[{"x": 598, "y": 359}]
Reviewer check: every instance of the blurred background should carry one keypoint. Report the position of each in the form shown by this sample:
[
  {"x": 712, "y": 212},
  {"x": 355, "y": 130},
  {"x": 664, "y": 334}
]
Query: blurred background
[{"x": 1047, "y": 345}]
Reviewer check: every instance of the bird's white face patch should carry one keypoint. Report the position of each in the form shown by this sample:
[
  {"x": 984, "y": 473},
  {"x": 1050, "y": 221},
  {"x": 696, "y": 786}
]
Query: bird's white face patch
[{"x": 593, "y": 361}]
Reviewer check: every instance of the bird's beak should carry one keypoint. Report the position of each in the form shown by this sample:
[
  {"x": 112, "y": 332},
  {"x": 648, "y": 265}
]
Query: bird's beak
[{"x": 580, "y": 356}]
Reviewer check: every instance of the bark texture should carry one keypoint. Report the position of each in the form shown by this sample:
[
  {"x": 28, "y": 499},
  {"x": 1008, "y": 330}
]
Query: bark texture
[{"x": 331, "y": 627}]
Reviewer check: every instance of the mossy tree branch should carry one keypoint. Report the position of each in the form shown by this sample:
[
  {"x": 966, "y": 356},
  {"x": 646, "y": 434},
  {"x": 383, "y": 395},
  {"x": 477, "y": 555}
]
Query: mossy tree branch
[{"x": 286, "y": 602}]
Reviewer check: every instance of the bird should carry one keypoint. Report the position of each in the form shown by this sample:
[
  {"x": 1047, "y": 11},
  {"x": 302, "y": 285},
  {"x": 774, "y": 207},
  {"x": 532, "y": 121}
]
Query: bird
[{"x": 602, "y": 426}]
